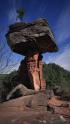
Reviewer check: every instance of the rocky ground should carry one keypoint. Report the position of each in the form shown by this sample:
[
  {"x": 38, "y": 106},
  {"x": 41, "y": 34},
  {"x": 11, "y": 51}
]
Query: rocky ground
[{"x": 36, "y": 108}]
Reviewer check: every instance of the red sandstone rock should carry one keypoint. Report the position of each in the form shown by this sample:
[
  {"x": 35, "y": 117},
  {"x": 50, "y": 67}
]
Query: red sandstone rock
[{"x": 16, "y": 111}]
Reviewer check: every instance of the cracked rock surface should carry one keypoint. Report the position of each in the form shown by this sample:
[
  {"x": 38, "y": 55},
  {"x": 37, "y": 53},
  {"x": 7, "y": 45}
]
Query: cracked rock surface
[{"x": 33, "y": 109}]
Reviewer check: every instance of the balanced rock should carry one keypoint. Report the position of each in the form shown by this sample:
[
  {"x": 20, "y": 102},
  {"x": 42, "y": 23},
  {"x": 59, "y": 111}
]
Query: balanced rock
[{"x": 31, "y": 40}]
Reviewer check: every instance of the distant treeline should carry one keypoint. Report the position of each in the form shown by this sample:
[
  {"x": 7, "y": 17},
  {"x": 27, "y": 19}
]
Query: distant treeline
[{"x": 56, "y": 75}]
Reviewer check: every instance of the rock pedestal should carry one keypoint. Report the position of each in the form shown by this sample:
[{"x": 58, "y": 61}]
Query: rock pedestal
[
  {"x": 35, "y": 72},
  {"x": 31, "y": 69},
  {"x": 31, "y": 40}
]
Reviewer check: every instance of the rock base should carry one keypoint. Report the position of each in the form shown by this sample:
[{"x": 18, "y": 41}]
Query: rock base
[{"x": 33, "y": 109}]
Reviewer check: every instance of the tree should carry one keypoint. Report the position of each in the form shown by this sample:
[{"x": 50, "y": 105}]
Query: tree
[{"x": 20, "y": 14}]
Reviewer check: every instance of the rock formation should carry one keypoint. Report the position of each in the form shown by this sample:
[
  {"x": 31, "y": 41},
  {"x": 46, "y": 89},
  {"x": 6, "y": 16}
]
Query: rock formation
[{"x": 31, "y": 40}]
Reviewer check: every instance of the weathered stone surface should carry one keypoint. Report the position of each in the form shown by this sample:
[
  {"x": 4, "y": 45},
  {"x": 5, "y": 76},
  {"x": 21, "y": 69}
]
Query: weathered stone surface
[
  {"x": 62, "y": 93},
  {"x": 30, "y": 72},
  {"x": 23, "y": 91},
  {"x": 23, "y": 75},
  {"x": 32, "y": 109},
  {"x": 31, "y": 38}
]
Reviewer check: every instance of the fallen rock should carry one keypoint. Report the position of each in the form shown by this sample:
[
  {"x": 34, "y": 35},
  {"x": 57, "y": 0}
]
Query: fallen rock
[{"x": 21, "y": 91}]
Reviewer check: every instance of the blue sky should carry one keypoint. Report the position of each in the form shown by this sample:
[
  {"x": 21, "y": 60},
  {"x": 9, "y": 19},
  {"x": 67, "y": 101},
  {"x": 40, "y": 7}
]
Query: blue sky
[{"x": 57, "y": 12}]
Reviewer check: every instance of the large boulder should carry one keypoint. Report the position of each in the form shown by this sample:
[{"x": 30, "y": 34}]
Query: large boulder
[{"x": 30, "y": 38}]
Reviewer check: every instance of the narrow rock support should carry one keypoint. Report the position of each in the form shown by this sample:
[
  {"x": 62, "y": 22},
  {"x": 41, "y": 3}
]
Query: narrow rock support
[{"x": 35, "y": 71}]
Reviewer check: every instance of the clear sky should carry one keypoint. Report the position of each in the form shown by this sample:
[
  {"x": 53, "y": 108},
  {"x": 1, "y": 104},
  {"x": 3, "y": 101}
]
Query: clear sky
[{"x": 57, "y": 12}]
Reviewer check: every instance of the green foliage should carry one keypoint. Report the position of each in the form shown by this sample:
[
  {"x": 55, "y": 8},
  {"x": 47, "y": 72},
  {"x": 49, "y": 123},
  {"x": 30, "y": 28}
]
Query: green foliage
[
  {"x": 2, "y": 76},
  {"x": 20, "y": 13},
  {"x": 7, "y": 83},
  {"x": 55, "y": 75}
]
